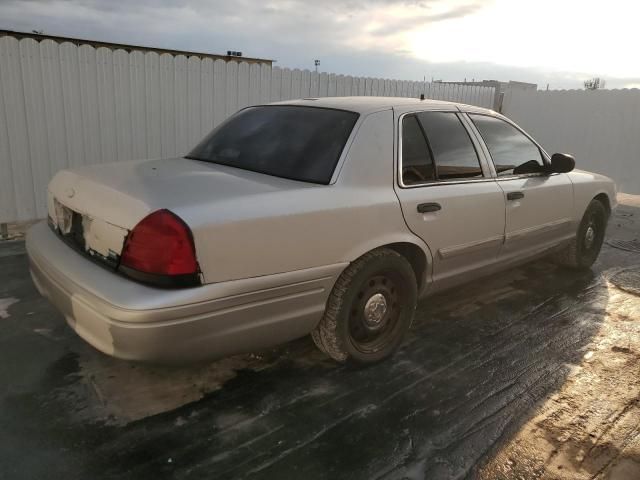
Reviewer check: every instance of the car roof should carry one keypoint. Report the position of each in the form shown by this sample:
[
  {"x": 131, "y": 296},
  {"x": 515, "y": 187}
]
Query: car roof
[{"x": 370, "y": 104}]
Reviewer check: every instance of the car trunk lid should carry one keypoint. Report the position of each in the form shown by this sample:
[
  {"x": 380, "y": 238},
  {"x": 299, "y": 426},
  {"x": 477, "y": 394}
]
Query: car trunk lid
[{"x": 94, "y": 208}]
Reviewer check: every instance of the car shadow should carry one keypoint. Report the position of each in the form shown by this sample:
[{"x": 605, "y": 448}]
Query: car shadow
[{"x": 476, "y": 362}]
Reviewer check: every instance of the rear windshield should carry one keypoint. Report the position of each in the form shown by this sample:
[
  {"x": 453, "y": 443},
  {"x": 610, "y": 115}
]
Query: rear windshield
[{"x": 300, "y": 143}]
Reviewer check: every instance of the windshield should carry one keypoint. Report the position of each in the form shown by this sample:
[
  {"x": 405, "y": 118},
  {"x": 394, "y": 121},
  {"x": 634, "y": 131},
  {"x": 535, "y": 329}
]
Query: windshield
[{"x": 300, "y": 143}]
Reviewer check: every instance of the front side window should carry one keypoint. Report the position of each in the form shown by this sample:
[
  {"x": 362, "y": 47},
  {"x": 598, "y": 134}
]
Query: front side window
[
  {"x": 299, "y": 143},
  {"x": 445, "y": 153},
  {"x": 455, "y": 155},
  {"x": 513, "y": 153}
]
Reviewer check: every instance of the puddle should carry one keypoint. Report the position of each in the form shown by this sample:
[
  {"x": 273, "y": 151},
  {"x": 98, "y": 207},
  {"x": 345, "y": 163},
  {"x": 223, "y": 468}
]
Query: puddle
[
  {"x": 117, "y": 392},
  {"x": 628, "y": 280},
  {"x": 5, "y": 303}
]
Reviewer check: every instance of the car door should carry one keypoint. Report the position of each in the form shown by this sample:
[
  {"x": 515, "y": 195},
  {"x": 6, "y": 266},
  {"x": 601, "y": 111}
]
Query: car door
[
  {"x": 539, "y": 205},
  {"x": 447, "y": 194}
]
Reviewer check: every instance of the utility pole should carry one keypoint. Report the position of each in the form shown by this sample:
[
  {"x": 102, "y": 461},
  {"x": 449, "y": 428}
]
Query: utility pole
[{"x": 317, "y": 64}]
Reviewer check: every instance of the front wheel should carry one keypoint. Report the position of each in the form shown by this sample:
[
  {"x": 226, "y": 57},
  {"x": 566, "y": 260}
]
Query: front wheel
[
  {"x": 369, "y": 309},
  {"x": 583, "y": 250}
]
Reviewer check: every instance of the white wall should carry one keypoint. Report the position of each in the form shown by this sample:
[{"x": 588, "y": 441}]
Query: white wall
[
  {"x": 63, "y": 105},
  {"x": 600, "y": 128}
]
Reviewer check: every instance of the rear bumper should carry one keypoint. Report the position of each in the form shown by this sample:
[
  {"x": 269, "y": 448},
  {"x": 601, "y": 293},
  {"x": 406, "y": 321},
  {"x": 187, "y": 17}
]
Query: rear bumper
[{"x": 137, "y": 322}]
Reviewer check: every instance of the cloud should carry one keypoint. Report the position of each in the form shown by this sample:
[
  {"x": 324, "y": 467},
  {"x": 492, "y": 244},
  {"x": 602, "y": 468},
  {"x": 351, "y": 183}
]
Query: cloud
[
  {"x": 281, "y": 29},
  {"x": 393, "y": 26},
  {"x": 352, "y": 23},
  {"x": 357, "y": 37}
]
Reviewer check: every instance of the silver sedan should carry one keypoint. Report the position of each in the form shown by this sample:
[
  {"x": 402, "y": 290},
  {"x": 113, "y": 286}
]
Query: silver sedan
[{"x": 328, "y": 217}]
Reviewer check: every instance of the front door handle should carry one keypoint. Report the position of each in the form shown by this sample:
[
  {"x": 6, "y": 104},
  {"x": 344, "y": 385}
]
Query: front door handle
[
  {"x": 515, "y": 195},
  {"x": 429, "y": 207}
]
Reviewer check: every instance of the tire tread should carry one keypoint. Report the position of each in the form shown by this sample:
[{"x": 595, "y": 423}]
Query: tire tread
[
  {"x": 570, "y": 256},
  {"x": 325, "y": 335}
]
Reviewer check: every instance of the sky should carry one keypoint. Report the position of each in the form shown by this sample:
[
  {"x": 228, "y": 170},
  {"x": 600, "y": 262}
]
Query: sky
[{"x": 556, "y": 42}]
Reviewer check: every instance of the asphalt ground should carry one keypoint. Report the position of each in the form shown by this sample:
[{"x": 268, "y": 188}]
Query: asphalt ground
[{"x": 531, "y": 373}]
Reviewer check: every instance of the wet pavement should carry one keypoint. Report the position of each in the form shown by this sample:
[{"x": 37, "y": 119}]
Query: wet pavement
[{"x": 531, "y": 373}]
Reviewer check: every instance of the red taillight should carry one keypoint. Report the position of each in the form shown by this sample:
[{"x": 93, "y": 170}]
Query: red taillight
[{"x": 160, "y": 245}]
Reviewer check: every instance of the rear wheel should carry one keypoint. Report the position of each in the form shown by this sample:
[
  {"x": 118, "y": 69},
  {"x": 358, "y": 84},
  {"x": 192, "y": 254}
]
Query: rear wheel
[
  {"x": 370, "y": 308},
  {"x": 583, "y": 250}
]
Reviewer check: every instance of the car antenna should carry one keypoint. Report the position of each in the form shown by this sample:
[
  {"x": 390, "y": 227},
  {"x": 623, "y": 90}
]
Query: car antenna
[{"x": 422, "y": 96}]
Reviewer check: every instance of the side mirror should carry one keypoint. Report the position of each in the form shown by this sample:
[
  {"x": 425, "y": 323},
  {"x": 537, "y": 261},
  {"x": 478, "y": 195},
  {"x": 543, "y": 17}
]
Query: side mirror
[{"x": 562, "y": 163}]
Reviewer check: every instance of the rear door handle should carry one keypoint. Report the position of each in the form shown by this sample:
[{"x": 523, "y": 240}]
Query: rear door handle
[
  {"x": 515, "y": 195},
  {"x": 429, "y": 207}
]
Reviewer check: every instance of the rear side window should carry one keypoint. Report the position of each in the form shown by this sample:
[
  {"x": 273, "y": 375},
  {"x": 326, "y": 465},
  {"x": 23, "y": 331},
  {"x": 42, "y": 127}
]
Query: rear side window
[
  {"x": 513, "y": 153},
  {"x": 445, "y": 153},
  {"x": 455, "y": 155},
  {"x": 299, "y": 143}
]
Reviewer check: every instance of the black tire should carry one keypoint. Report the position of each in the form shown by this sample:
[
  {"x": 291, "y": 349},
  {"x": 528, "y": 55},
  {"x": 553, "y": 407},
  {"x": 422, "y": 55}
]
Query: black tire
[
  {"x": 384, "y": 281},
  {"x": 584, "y": 249}
]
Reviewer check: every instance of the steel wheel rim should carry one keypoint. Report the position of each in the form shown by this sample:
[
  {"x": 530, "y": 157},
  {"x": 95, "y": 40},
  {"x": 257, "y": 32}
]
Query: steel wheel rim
[
  {"x": 593, "y": 233},
  {"x": 375, "y": 314}
]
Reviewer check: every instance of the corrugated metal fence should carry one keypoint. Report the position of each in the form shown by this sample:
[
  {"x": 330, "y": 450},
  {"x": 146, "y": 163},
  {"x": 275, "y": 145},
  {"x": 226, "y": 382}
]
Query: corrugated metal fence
[
  {"x": 63, "y": 105},
  {"x": 601, "y": 128}
]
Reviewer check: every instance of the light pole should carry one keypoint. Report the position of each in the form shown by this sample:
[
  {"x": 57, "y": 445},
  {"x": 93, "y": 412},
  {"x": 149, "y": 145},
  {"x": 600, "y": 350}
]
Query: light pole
[{"x": 317, "y": 64}]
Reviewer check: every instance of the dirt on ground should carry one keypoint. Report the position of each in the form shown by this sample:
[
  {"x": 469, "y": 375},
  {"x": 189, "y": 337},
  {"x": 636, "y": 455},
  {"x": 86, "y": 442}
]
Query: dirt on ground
[{"x": 589, "y": 429}]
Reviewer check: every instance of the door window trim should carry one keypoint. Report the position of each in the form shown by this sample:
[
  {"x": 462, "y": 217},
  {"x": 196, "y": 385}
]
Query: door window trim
[{"x": 486, "y": 172}]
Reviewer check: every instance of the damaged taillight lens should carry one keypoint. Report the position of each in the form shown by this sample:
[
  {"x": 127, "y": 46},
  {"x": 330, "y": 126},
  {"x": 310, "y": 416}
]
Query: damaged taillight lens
[{"x": 160, "y": 250}]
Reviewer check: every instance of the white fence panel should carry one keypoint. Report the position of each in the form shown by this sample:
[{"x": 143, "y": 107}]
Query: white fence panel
[
  {"x": 331, "y": 85},
  {"x": 35, "y": 115},
  {"x": 243, "y": 85},
  {"x": 265, "y": 83},
  {"x": 286, "y": 84},
  {"x": 219, "y": 89},
  {"x": 206, "y": 102},
  {"x": 72, "y": 108},
  {"x": 18, "y": 133},
  {"x": 8, "y": 197},
  {"x": 106, "y": 105},
  {"x": 137, "y": 99},
  {"x": 340, "y": 86},
  {"x": 53, "y": 105},
  {"x": 195, "y": 100},
  {"x": 296, "y": 83},
  {"x": 122, "y": 96},
  {"x": 152, "y": 105},
  {"x": 180, "y": 103},
  {"x": 305, "y": 90},
  {"x": 231, "y": 93},
  {"x": 599, "y": 127},
  {"x": 314, "y": 89},
  {"x": 63, "y": 106},
  {"x": 167, "y": 114},
  {"x": 276, "y": 84}
]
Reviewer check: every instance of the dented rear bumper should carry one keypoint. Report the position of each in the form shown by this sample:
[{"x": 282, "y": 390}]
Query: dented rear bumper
[{"x": 136, "y": 322}]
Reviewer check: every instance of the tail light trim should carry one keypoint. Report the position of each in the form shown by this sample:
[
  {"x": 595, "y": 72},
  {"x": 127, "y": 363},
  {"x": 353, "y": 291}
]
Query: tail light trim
[{"x": 165, "y": 281}]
